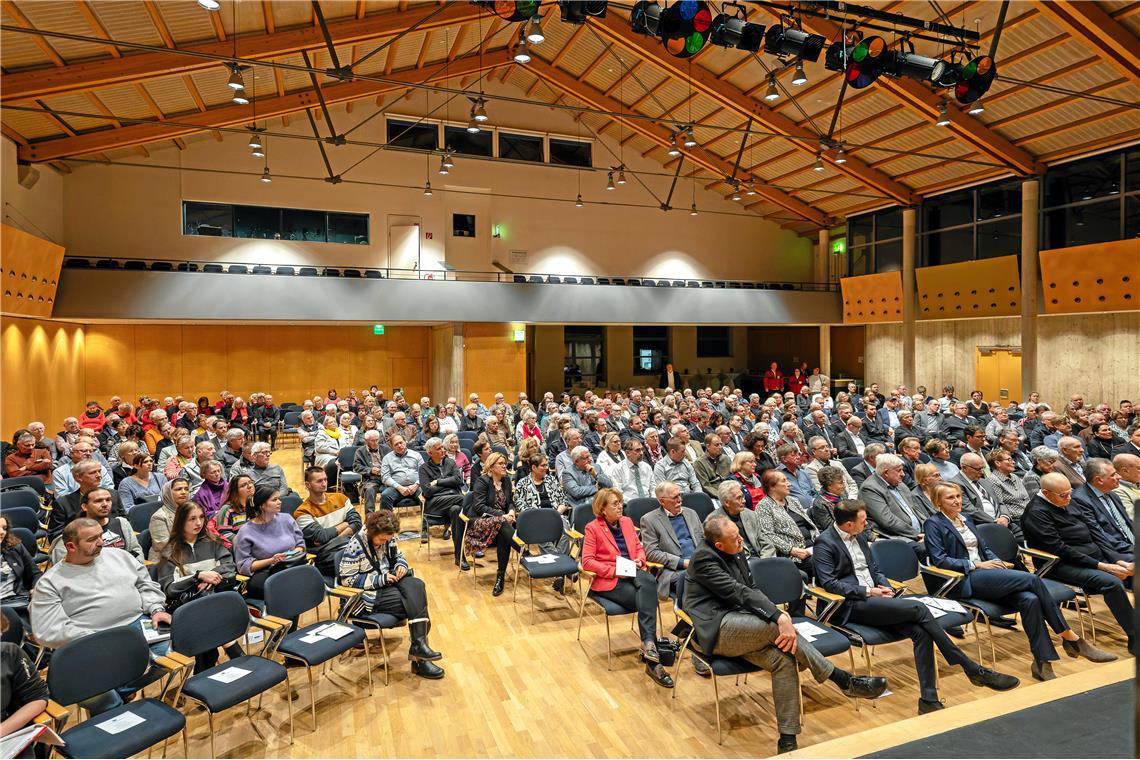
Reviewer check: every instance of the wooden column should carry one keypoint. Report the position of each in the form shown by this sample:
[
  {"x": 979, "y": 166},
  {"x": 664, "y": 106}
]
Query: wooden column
[
  {"x": 447, "y": 362},
  {"x": 819, "y": 261},
  {"x": 825, "y": 350},
  {"x": 909, "y": 242},
  {"x": 1030, "y": 191}
]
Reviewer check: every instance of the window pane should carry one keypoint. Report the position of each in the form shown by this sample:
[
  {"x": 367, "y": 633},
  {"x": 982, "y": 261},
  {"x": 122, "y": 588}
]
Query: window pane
[
  {"x": 888, "y": 224},
  {"x": 409, "y": 134},
  {"x": 212, "y": 219},
  {"x": 650, "y": 346},
  {"x": 1132, "y": 219},
  {"x": 888, "y": 256},
  {"x": 348, "y": 228},
  {"x": 1000, "y": 238},
  {"x": 257, "y": 222},
  {"x": 520, "y": 147},
  {"x": 949, "y": 247},
  {"x": 1095, "y": 177},
  {"x": 713, "y": 342},
  {"x": 860, "y": 260},
  {"x": 459, "y": 140},
  {"x": 998, "y": 201},
  {"x": 570, "y": 152},
  {"x": 1082, "y": 225},
  {"x": 1132, "y": 170},
  {"x": 948, "y": 210},
  {"x": 859, "y": 231},
  {"x": 301, "y": 224}
]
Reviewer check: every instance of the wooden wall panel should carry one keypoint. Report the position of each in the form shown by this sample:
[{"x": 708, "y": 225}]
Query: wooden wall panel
[
  {"x": 41, "y": 373},
  {"x": 110, "y": 362},
  {"x": 848, "y": 349},
  {"x": 787, "y": 345},
  {"x": 882, "y": 360},
  {"x": 493, "y": 362},
  {"x": 30, "y": 273},
  {"x": 1087, "y": 278},
  {"x": 872, "y": 298},
  {"x": 986, "y": 288},
  {"x": 1093, "y": 354},
  {"x": 158, "y": 359},
  {"x": 204, "y": 370}
]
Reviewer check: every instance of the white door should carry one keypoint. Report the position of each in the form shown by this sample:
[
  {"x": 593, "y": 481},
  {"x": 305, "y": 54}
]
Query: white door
[{"x": 404, "y": 251}]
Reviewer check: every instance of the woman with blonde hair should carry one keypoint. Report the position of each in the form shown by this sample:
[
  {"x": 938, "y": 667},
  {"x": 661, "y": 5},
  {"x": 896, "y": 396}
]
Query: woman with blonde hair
[
  {"x": 926, "y": 477},
  {"x": 743, "y": 471},
  {"x": 492, "y": 516}
]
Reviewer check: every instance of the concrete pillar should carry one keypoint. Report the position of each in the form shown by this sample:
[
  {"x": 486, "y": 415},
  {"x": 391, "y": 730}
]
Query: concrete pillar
[
  {"x": 447, "y": 362},
  {"x": 910, "y": 244},
  {"x": 819, "y": 262},
  {"x": 1030, "y": 191},
  {"x": 825, "y": 350}
]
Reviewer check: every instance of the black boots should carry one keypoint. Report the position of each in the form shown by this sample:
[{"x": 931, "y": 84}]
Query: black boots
[
  {"x": 421, "y": 654},
  {"x": 498, "y": 589}
]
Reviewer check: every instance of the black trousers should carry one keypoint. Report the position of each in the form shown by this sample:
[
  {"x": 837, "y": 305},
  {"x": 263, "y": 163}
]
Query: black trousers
[
  {"x": 270, "y": 435},
  {"x": 911, "y": 618},
  {"x": 406, "y": 600},
  {"x": 448, "y": 506},
  {"x": 640, "y": 593},
  {"x": 1095, "y": 581},
  {"x": 504, "y": 543},
  {"x": 1027, "y": 593},
  {"x": 255, "y": 587}
]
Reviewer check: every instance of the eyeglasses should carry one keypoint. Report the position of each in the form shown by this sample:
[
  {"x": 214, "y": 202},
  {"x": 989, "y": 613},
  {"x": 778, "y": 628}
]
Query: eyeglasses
[{"x": 1061, "y": 494}]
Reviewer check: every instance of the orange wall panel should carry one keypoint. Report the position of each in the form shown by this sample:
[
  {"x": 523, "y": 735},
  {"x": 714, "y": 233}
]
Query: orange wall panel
[
  {"x": 29, "y": 274},
  {"x": 492, "y": 362},
  {"x": 1100, "y": 277},
  {"x": 986, "y": 288},
  {"x": 41, "y": 373},
  {"x": 872, "y": 298}
]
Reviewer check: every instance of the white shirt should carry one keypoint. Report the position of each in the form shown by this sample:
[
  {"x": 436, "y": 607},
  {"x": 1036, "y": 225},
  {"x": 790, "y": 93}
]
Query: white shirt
[
  {"x": 858, "y": 559},
  {"x": 987, "y": 506},
  {"x": 970, "y": 540},
  {"x": 859, "y": 445},
  {"x": 623, "y": 479}
]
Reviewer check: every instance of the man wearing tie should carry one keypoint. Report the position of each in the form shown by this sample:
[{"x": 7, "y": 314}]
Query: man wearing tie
[
  {"x": 892, "y": 509},
  {"x": 1100, "y": 507},
  {"x": 818, "y": 426},
  {"x": 980, "y": 499},
  {"x": 634, "y": 477}
]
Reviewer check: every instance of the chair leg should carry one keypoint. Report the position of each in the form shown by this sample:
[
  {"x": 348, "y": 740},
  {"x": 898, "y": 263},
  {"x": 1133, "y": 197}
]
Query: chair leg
[
  {"x": 581, "y": 614},
  {"x": 384, "y": 652},
  {"x": 368, "y": 664},
  {"x": 213, "y": 750},
  {"x": 851, "y": 657},
  {"x": 289, "y": 702},
  {"x": 185, "y": 743},
  {"x": 515, "y": 591},
  {"x": 608, "y": 656},
  {"x": 977, "y": 639},
  {"x": 716, "y": 701},
  {"x": 531, "y": 582},
  {"x": 312, "y": 696},
  {"x": 1092, "y": 620}
]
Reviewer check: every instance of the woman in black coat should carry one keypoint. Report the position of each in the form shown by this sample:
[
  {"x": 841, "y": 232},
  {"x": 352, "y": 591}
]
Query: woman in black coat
[
  {"x": 18, "y": 570},
  {"x": 492, "y": 515}
]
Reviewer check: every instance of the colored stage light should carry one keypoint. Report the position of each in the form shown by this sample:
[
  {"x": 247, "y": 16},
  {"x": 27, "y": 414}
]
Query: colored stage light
[
  {"x": 866, "y": 64},
  {"x": 977, "y": 76}
]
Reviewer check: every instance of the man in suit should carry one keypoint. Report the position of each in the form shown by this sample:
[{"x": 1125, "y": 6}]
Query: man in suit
[
  {"x": 845, "y": 566},
  {"x": 1071, "y": 462},
  {"x": 1010, "y": 441},
  {"x": 670, "y": 535},
  {"x": 866, "y": 468},
  {"x": 929, "y": 419},
  {"x": 817, "y": 425},
  {"x": 851, "y": 442},
  {"x": 980, "y": 498},
  {"x": 893, "y": 510},
  {"x": 1099, "y": 506},
  {"x": 954, "y": 425},
  {"x": 581, "y": 480},
  {"x": 975, "y": 437},
  {"x": 908, "y": 427},
  {"x": 756, "y": 542},
  {"x": 1132, "y": 445},
  {"x": 88, "y": 475},
  {"x": 1051, "y": 524},
  {"x": 820, "y": 451},
  {"x": 732, "y": 618},
  {"x": 1128, "y": 467},
  {"x": 874, "y": 429},
  {"x": 910, "y": 452}
]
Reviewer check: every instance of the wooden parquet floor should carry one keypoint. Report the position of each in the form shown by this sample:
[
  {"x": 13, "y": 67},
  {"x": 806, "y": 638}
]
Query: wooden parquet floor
[{"x": 514, "y": 689}]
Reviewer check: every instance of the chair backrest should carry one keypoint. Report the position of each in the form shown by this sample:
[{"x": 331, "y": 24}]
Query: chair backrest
[
  {"x": 214, "y": 268},
  {"x": 24, "y": 481},
  {"x": 373, "y": 274},
  {"x": 778, "y": 578},
  {"x": 284, "y": 270},
  {"x": 97, "y": 663},
  {"x": 290, "y": 503},
  {"x": 134, "y": 265},
  {"x": 208, "y": 622},
  {"x": 308, "y": 271},
  {"x": 238, "y": 269},
  {"x": 581, "y": 516},
  {"x": 345, "y": 456},
  {"x": 638, "y": 508},
  {"x": 161, "y": 266},
  {"x": 140, "y": 514},
  {"x": 21, "y": 516},
  {"x": 700, "y": 502},
  {"x": 293, "y": 591},
  {"x": 1000, "y": 539},
  {"x": 15, "y": 632},
  {"x": 144, "y": 542},
  {"x": 896, "y": 558},
  {"x": 467, "y": 435},
  {"x": 292, "y": 419},
  {"x": 538, "y": 526},
  {"x": 28, "y": 539},
  {"x": 850, "y": 462}
]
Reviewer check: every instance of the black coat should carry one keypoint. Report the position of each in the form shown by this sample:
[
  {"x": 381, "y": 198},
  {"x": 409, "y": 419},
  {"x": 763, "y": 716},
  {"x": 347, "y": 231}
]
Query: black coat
[
  {"x": 68, "y": 507},
  {"x": 716, "y": 584},
  {"x": 483, "y": 497},
  {"x": 836, "y": 572},
  {"x": 1065, "y": 533},
  {"x": 24, "y": 568}
]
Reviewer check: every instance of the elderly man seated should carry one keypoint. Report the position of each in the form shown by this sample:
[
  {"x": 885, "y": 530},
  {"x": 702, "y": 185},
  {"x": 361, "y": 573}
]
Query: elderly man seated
[
  {"x": 670, "y": 536},
  {"x": 27, "y": 459},
  {"x": 581, "y": 480},
  {"x": 892, "y": 509},
  {"x": 820, "y": 451},
  {"x": 262, "y": 472},
  {"x": 368, "y": 463},
  {"x": 400, "y": 473},
  {"x": 714, "y": 466},
  {"x": 62, "y": 478},
  {"x": 203, "y": 452}
]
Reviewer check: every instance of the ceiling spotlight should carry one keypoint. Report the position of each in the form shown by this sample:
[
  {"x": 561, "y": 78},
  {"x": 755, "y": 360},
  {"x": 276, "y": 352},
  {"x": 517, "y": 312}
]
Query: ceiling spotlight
[
  {"x": 750, "y": 189},
  {"x": 576, "y": 11},
  {"x": 800, "y": 77},
  {"x": 254, "y": 141},
  {"x": 578, "y": 203},
  {"x": 943, "y": 115},
  {"x": 610, "y": 181},
  {"x": 210, "y": 5},
  {"x": 788, "y": 41},
  {"x": 976, "y": 109},
  {"x": 473, "y": 126},
  {"x": 645, "y": 17},
  {"x": 427, "y": 189},
  {"x": 448, "y": 161},
  {"x": 258, "y": 152},
  {"x": 867, "y": 61},
  {"x": 977, "y": 76},
  {"x": 479, "y": 110},
  {"x": 521, "y": 55},
  {"x": 236, "y": 81},
  {"x": 535, "y": 35},
  {"x": 818, "y": 163},
  {"x": 690, "y": 141},
  {"x": 443, "y": 167},
  {"x": 773, "y": 91},
  {"x": 265, "y": 176},
  {"x": 240, "y": 98},
  {"x": 840, "y": 156},
  {"x": 621, "y": 177},
  {"x": 673, "y": 149},
  {"x": 693, "y": 209},
  {"x": 736, "y": 191}
]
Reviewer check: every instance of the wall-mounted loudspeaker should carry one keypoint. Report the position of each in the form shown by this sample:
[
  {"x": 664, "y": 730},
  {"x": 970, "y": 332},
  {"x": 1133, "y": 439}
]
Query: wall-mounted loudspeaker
[{"x": 28, "y": 175}]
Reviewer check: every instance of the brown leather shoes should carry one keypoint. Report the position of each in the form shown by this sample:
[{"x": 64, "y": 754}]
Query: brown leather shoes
[{"x": 1082, "y": 648}]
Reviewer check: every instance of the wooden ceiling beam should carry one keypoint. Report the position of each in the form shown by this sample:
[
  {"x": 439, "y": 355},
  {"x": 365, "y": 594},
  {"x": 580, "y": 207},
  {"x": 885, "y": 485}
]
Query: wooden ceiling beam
[
  {"x": 1100, "y": 32},
  {"x": 704, "y": 82},
  {"x": 41, "y": 42},
  {"x": 267, "y": 14},
  {"x": 88, "y": 13},
  {"x": 573, "y": 86},
  {"x": 26, "y": 85},
  {"x": 228, "y": 115}
]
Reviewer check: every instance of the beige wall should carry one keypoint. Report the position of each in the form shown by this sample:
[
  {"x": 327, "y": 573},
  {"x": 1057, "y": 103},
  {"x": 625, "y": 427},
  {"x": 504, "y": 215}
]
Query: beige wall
[
  {"x": 38, "y": 211},
  {"x": 548, "y": 349},
  {"x": 493, "y": 362},
  {"x": 1094, "y": 354}
]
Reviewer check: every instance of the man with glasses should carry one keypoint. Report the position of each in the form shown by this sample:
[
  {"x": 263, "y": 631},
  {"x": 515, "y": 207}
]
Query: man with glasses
[
  {"x": 634, "y": 477},
  {"x": 64, "y": 481},
  {"x": 671, "y": 535},
  {"x": 893, "y": 509},
  {"x": 820, "y": 451},
  {"x": 980, "y": 499},
  {"x": 1050, "y": 525}
]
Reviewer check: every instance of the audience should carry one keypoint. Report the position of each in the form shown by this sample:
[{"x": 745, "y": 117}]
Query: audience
[
  {"x": 441, "y": 484},
  {"x": 675, "y": 466},
  {"x": 268, "y": 542},
  {"x": 87, "y": 475},
  {"x": 327, "y": 520},
  {"x": 142, "y": 485},
  {"x": 635, "y": 478},
  {"x": 18, "y": 569},
  {"x": 891, "y": 509},
  {"x": 174, "y": 495},
  {"x": 234, "y": 510},
  {"x": 117, "y": 533},
  {"x": 28, "y": 459},
  {"x": 400, "y": 473}
]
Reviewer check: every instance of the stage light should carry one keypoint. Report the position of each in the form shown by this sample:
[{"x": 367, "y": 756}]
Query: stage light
[
  {"x": 427, "y": 189},
  {"x": 943, "y": 119},
  {"x": 977, "y": 76},
  {"x": 976, "y": 109},
  {"x": 867, "y": 60},
  {"x": 907, "y": 64},
  {"x": 473, "y": 127},
  {"x": 576, "y": 11},
  {"x": 946, "y": 73},
  {"x": 732, "y": 30},
  {"x": 773, "y": 91},
  {"x": 800, "y": 77},
  {"x": 265, "y": 176},
  {"x": 515, "y": 11},
  {"x": 610, "y": 181},
  {"x": 786, "y": 41},
  {"x": 836, "y": 58},
  {"x": 673, "y": 149},
  {"x": 645, "y": 17},
  {"x": 236, "y": 81},
  {"x": 535, "y": 35},
  {"x": 684, "y": 27}
]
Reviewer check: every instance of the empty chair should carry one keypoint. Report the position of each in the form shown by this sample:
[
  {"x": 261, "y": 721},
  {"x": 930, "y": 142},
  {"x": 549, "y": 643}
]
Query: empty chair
[
  {"x": 262, "y": 269},
  {"x": 330, "y": 272},
  {"x": 678, "y": 283},
  {"x": 736, "y": 285},
  {"x": 618, "y": 281},
  {"x": 187, "y": 267},
  {"x": 33, "y": 482},
  {"x": 134, "y": 264},
  {"x": 719, "y": 284},
  {"x": 213, "y": 268},
  {"x": 77, "y": 264},
  {"x": 161, "y": 266},
  {"x": 345, "y": 475},
  {"x": 353, "y": 273},
  {"x": 638, "y": 508},
  {"x": 586, "y": 281},
  {"x": 519, "y": 278},
  {"x": 21, "y": 515},
  {"x": 570, "y": 280},
  {"x": 692, "y": 284},
  {"x": 22, "y": 498},
  {"x": 646, "y": 283},
  {"x": 750, "y": 285},
  {"x": 630, "y": 282},
  {"x": 373, "y": 274},
  {"x": 308, "y": 272},
  {"x": 700, "y": 502},
  {"x": 106, "y": 264},
  {"x": 534, "y": 278},
  {"x": 554, "y": 279},
  {"x": 238, "y": 269},
  {"x": 140, "y": 514},
  {"x": 533, "y": 528},
  {"x": 285, "y": 270},
  {"x": 664, "y": 284}
]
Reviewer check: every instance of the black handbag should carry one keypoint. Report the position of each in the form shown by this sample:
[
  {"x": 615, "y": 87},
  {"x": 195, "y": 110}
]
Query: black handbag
[{"x": 179, "y": 598}]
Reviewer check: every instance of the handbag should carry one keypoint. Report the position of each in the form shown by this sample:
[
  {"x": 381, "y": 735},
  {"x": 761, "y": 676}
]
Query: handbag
[{"x": 192, "y": 592}]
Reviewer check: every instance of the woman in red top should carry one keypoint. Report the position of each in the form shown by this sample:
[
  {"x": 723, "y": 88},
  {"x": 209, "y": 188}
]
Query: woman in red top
[
  {"x": 797, "y": 381},
  {"x": 608, "y": 538},
  {"x": 774, "y": 379},
  {"x": 239, "y": 417},
  {"x": 744, "y": 472}
]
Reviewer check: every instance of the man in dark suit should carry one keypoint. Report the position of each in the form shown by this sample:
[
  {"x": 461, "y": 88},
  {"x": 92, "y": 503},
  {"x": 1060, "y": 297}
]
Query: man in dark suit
[
  {"x": 1099, "y": 506},
  {"x": 866, "y": 468},
  {"x": 873, "y": 429},
  {"x": 851, "y": 441},
  {"x": 954, "y": 425},
  {"x": 732, "y": 618},
  {"x": 1051, "y": 524},
  {"x": 1011, "y": 442},
  {"x": 892, "y": 508},
  {"x": 845, "y": 566},
  {"x": 88, "y": 475},
  {"x": 817, "y": 426},
  {"x": 1132, "y": 445},
  {"x": 980, "y": 498},
  {"x": 975, "y": 437}
]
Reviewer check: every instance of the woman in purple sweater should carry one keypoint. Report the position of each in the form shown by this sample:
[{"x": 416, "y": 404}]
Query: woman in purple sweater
[{"x": 269, "y": 541}]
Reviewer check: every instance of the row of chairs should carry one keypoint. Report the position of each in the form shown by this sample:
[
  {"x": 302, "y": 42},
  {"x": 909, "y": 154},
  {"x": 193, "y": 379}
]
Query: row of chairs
[
  {"x": 170, "y": 266},
  {"x": 731, "y": 284}
]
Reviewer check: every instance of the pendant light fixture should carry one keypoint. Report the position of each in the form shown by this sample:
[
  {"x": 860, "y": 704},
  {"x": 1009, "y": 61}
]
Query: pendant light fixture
[
  {"x": 610, "y": 181},
  {"x": 773, "y": 92}
]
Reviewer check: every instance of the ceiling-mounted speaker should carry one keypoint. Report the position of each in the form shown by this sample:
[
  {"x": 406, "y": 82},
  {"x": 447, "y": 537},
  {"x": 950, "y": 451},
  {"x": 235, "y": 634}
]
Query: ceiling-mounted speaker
[{"x": 28, "y": 175}]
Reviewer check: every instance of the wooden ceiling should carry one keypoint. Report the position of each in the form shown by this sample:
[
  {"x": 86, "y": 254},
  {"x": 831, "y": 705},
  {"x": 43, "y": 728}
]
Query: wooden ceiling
[{"x": 109, "y": 99}]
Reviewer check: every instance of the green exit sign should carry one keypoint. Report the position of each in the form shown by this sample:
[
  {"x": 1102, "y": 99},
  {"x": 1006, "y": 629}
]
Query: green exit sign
[
  {"x": 377, "y": 329},
  {"x": 839, "y": 246}
]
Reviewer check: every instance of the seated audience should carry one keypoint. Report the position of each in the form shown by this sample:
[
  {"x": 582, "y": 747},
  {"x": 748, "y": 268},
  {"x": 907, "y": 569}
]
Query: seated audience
[
  {"x": 1010, "y": 489},
  {"x": 714, "y": 466},
  {"x": 87, "y": 475},
  {"x": 732, "y": 618},
  {"x": 939, "y": 452},
  {"x": 926, "y": 477},
  {"x": 981, "y": 499},
  {"x": 18, "y": 569},
  {"x": 953, "y": 543},
  {"x": 582, "y": 480},
  {"x": 117, "y": 533},
  {"x": 441, "y": 484},
  {"x": 172, "y": 459},
  {"x": 142, "y": 485},
  {"x": 670, "y": 535},
  {"x": 610, "y": 458},
  {"x": 1128, "y": 492},
  {"x": 1044, "y": 461},
  {"x": 1071, "y": 462},
  {"x": 744, "y": 472},
  {"x": 23, "y": 694},
  {"x": 204, "y": 451},
  {"x": 327, "y": 520},
  {"x": 786, "y": 525},
  {"x": 372, "y": 561},
  {"x": 731, "y": 496},
  {"x": 330, "y": 439},
  {"x": 607, "y": 538},
  {"x": 676, "y": 467},
  {"x": 400, "y": 473},
  {"x": 456, "y": 454},
  {"x": 265, "y": 422},
  {"x": 1053, "y": 524},
  {"x": 307, "y": 432},
  {"x": 174, "y": 494},
  {"x": 654, "y": 451},
  {"x": 234, "y": 510},
  {"x": 832, "y": 490},
  {"x": 866, "y": 468},
  {"x": 1100, "y": 507},
  {"x": 539, "y": 489},
  {"x": 820, "y": 457},
  {"x": 891, "y": 508},
  {"x": 268, "y": 542},
  {"x": 799, "y": 481},
  {"x": 63, "y": 480},
  {"x": 368, "y": 463},
  {"x": 492, "y": 515},
  {"x": 27, "y": 459},
  {"x": 635, "y": 478},
  {"x": 211, "y": 492}
]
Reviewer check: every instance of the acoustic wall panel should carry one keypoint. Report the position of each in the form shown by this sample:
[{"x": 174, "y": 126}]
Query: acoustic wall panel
[
  {"x": 986, "y": 288},
  {"x": 872, "y": 298},
  {"x": 1099, "y": 277},
  {"x": 30, "y": 273}
]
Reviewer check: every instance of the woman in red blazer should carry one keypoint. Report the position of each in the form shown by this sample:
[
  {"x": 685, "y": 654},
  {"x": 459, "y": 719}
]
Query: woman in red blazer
[{"x": 611, "y": 536}]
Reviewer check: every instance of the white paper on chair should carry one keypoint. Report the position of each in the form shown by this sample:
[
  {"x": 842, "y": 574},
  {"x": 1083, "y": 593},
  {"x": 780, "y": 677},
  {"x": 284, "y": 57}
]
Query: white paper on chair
[
  {"x": 544, "y": 559},
  {"x": 808, "y": 630},
  {"x": 935, "y": 608},
  {"x": 335, "y": 631},
  {"x": 230, "y": 674},
  {"x": 947, "y": 605},
  {"x": 120, "y": 723},
  {"x": 625, "y": 568}
]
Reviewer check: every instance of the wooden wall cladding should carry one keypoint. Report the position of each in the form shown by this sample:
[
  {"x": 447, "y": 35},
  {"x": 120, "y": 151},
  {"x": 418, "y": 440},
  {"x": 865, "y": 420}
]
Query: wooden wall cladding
[
  {"x": 872, "y": 298},
  {"x": 1100, "y": 277},
  {"x": 986, "y": 288},
  {"x": 30, "y": 273}
]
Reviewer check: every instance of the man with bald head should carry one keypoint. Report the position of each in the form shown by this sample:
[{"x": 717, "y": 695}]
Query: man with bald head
[
  {"x": 980, "y": 499},
  {"x": 1053, "y": 526},
  {"x": 1128, "y": 468}
]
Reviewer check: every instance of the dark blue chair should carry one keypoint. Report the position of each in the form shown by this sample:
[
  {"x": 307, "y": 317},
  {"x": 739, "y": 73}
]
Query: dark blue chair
[
  {"x": 187, "y": 267},
  {"x": 161, "y": 266},
  {"x": 28, "y": 539},
  {"x": 98, "y": 663},
  {"x": 238, "y": 269},
  {"x": 262, "y": 269},
  {"x": 290, "y": 503},
  {"x": 212, "y": 268},
  {"x": 285, "y": 271},
  {"x": 77, "y": 264},
  {"x": 635, "y": 509},
  {"x": 106, "y": 264},
  {"x": 308, "y": 271},
  {"x": 353, "y": 273},
  {"x": 534, "y": 527},
  {"x": 373, "y": 274},
  {"x": 345, "y": 475},
  {"x": 32, "y": 482},
  {"x": 140, "y": 514},
  {"x": 700, "y": 502},
  {"x": 135, "y": 265},
  {"x": 22, "y": 498}
]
